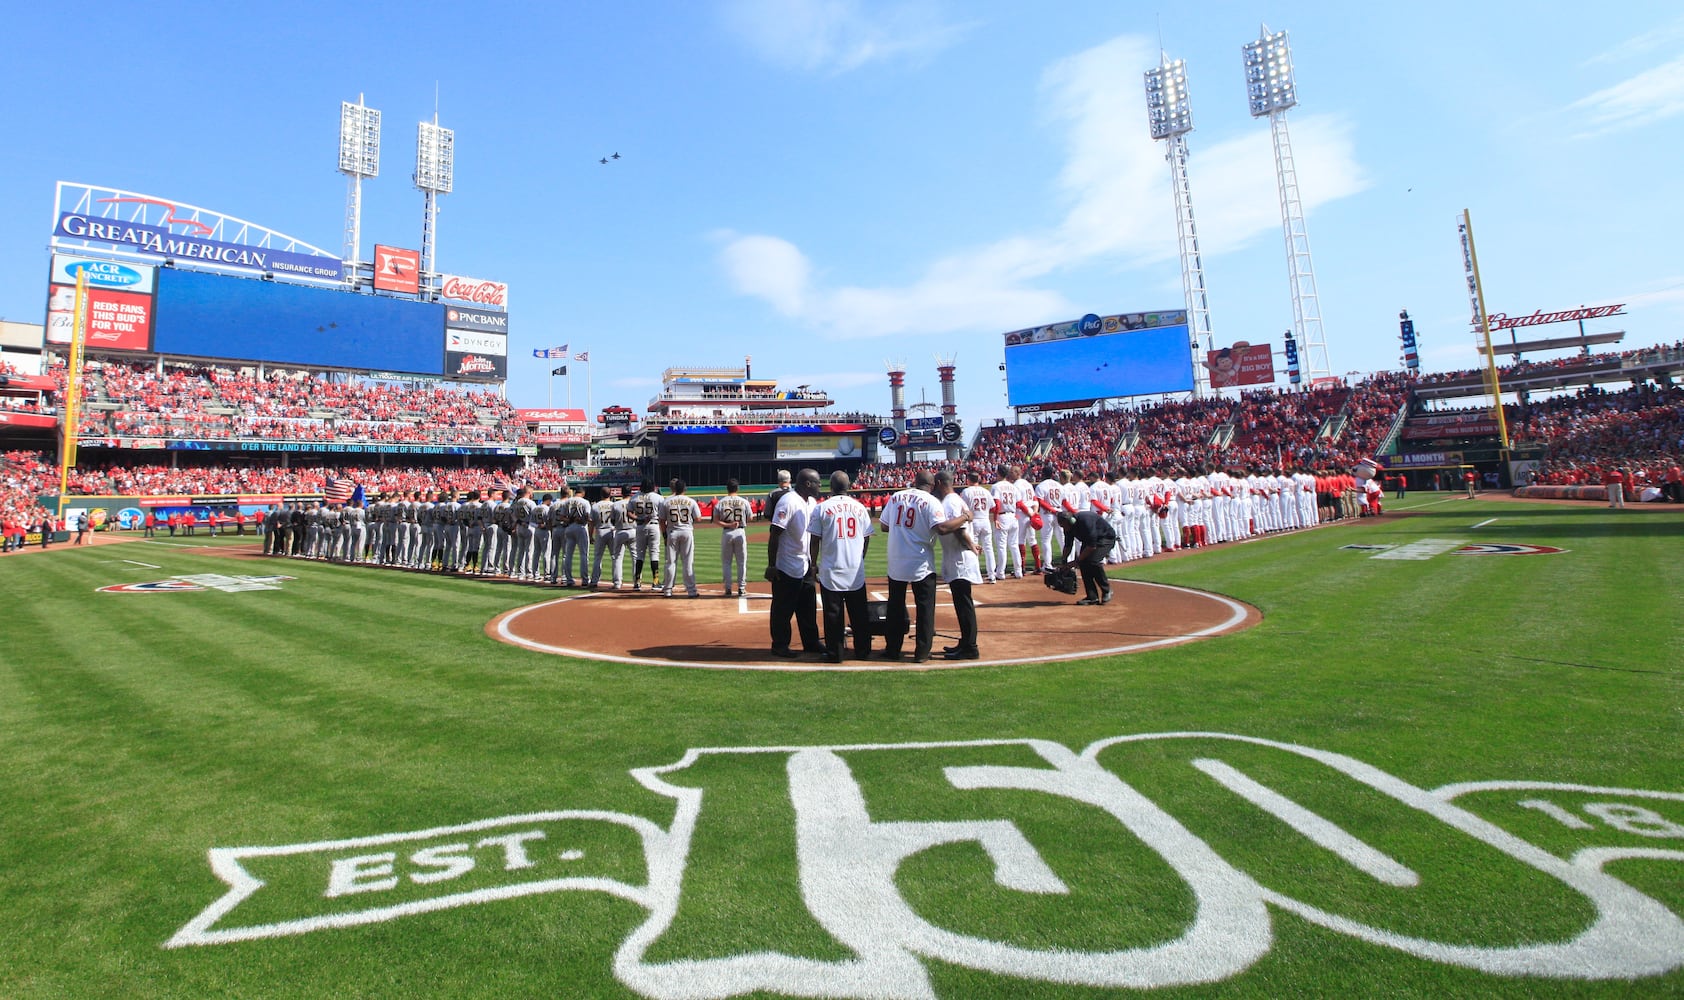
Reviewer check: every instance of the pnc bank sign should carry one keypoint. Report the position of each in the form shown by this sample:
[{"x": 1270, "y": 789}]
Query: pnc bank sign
[{"x": 1053, "y": 832}]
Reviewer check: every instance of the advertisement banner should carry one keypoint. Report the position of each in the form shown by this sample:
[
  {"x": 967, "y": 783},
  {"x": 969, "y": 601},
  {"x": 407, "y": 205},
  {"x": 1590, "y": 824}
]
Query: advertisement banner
[
  {"x": 469, "y": 365},
  {"x": 1241, "y": 364},
  {"x": 551, "y": 416},
  {"x": 476, "y": 342},
  {"x": 476, "y": 319},
  {"x": 158, "y": 241},
  {"x": 819, "y": 446},
  {"x": 28, "y": 419},
  {"x": 575, "y": 437},
  {"x": 117, "y": 321},
  {"x": 474, "y": 291},
  {"x": 115, "y": 275},
  {"x": 397, "y": 270},
  {"x": 1475, "y": 425}
]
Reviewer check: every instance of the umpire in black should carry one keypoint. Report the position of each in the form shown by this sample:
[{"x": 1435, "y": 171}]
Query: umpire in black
[{"x": 1097, "y": 537}]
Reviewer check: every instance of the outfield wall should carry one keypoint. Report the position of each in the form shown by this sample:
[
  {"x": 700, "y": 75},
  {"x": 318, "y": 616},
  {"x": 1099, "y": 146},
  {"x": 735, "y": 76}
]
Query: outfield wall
[{"x": 1563, "y": 493}]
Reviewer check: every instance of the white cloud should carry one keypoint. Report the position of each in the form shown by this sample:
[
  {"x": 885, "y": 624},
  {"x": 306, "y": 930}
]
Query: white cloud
[
  {"x": 836, "y": 36},
  {"x": 1668, "y": 293},
  {"x": 1650, "y": 96},
  {"x": 1663, "y": 36},
  {"x": 1115, "y": 190}
]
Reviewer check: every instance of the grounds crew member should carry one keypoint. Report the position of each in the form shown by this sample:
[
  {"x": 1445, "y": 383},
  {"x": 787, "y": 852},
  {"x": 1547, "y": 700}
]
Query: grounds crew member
[
  {"x": 841, "y": 530},
  {"x": 1096, "y": 536}
]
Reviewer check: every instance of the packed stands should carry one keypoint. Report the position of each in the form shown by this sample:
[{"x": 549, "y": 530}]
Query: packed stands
[
  {"x": 1640, "y": 429},
  {"x": 215, "y": 403}
]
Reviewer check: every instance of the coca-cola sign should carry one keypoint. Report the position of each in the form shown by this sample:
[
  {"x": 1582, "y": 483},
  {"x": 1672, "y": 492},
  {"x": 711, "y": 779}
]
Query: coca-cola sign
[{"x": 489, "y": 294}]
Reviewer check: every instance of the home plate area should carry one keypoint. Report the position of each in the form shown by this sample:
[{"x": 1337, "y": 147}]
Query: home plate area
[{"x": 1019, "y": 621}]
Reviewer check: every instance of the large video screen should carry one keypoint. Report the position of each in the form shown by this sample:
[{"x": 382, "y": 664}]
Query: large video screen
[
  {"x": 218, "y": 316},
  {"x": 1133, "y": 354}
]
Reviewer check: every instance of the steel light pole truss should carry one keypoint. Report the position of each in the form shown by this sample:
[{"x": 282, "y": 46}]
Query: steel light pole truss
[
  {"x": 1271, "y": 91},
  {"x": 359, "y": 157},
  {"x": 435, "y": 174},
  {"x": 1169, "y": 112}
]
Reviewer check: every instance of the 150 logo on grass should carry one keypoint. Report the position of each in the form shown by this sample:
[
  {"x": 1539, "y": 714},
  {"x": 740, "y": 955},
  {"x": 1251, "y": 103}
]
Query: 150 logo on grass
[{"x": 1140, "y": 861}]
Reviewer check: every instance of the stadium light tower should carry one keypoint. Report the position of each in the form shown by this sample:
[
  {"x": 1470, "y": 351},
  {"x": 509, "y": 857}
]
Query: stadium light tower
[
  {"x": 1169, "y": 112},
  {"x": 1270, "y": 87},
  {"x": 359, "y": 157},
  {"x": 435, "y": 174}
]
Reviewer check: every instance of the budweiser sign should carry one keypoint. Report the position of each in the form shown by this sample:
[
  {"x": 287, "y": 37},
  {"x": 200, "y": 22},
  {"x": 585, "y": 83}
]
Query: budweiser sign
[
  {"x": 491, "y": 294},
  {"x": 1502, "y": 321}
]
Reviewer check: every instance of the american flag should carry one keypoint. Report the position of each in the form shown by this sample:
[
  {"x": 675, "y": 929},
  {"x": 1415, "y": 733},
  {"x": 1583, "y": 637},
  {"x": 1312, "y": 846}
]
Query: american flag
[
  {"x": 550, "y": 352},
  {"x": 502, "y": 486},
  {"x": 339, "y": 490},
  {"x": 582, "y": 356}
]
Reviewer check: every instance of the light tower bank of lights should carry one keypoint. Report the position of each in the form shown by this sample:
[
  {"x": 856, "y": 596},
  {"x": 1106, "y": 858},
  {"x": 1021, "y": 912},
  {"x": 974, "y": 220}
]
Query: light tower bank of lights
[
  {"x": 1169, "y": 112},
  {"x": 1271, "y": 91}
]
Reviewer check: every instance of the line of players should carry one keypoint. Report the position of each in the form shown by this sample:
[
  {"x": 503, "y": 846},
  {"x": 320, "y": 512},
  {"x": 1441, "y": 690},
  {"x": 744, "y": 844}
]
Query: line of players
[
  {"x": 565, "y": 538},
  {"x": 560, "y": 538},
  {"x": 1016, "y": 524}
]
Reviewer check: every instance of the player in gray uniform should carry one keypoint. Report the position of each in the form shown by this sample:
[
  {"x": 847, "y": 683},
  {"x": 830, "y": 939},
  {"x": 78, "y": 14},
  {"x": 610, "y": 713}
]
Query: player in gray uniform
[
  {"x": 678, "y": 524},
  {"x": 731, "y": 512},
  {"x": 444, "y": 516},
  {"x": 490, "y": 534},
  {"x": 329, "y": 540},
  {"x": 467, "y": 519},
  {"x": 426, "y": 521},
  {"x": 313, "y": 532},
  {"x": 519, "y": 518},
  {"x": 575, "y": 537},
  {"x": 620, "y": 517},
  {"x": 543, "y": 539},
  {"x": 646, "y": 533},
  {"x": 602, "y": 533},
  {"x": 356, "y": 532}
]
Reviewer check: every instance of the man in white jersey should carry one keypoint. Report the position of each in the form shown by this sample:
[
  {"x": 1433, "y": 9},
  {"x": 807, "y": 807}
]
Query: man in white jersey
[
  {"x": 959, "y": 567},
  {"x": 980, "y": 501},
  {"x": 1029, "y": 522},
  {"x": 1006, "y": 546},
  {"x": 1049, "y": 497},
  {"x": 913, "y": 517},
  {"x": 732, "y": 513},
  {"x": 678, "y": 526},
  {"x": 840, "y": 529},
  {"x": 790, "y": 568}
]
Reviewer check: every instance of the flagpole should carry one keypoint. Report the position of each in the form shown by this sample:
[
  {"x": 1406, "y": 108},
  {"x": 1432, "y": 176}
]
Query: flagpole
[
  {"x": 570, "y": 387},
  {"x": 551, "y": 403}
]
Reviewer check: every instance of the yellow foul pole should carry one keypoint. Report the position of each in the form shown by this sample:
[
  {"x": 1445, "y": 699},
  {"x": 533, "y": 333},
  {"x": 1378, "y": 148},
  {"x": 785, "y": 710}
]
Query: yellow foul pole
[
  {"x": 71, "y": 410},
  {"x": 1482, "y": 325}
]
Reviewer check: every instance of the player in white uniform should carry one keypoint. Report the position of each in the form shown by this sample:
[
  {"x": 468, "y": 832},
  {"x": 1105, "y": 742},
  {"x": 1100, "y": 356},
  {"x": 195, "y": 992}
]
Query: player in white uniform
[
  {"x": 678, "y": 524},
  {"x": 840, "y": 529},
  {"x": 731, "y": 512},
  {"x": 980, "y": 500},
  {"x": 1028, "y": 542},
  {"x": 646, "y": 535},
  {"x": 1006, "y": 544},
  {"x": 1049, "y": 495},
  {"x": 959, "y": 567}
]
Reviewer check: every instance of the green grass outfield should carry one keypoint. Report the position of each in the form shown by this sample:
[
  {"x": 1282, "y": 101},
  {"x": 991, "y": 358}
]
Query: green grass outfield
[{"x": 935, "y": 852}]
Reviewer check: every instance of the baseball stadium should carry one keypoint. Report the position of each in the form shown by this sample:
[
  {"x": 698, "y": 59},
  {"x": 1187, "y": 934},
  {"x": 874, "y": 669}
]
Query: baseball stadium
[{"x": 333, "y": 672}]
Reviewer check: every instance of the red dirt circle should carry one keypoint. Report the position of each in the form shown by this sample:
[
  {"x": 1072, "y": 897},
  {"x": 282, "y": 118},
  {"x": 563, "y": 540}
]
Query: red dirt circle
[{"x": 1019, "y": 621}]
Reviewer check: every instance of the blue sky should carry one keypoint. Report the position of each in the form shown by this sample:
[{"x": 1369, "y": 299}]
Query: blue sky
[{"x": 824, "y": 184}]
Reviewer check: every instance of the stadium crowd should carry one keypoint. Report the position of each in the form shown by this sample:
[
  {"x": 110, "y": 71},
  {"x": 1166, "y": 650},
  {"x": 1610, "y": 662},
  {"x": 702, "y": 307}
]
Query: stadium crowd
[{"x": 1587, "y": 434}]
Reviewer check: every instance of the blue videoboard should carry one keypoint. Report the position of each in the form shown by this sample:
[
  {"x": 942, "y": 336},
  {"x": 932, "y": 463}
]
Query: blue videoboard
[
  {"x": 1098, "y": 358},
  {"x": 206, "y": 315}
]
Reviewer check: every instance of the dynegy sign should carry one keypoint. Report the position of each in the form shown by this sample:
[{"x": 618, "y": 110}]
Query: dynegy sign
[
  {"x": 855, "y": 916},
  {"x": 158, "y": 241}
]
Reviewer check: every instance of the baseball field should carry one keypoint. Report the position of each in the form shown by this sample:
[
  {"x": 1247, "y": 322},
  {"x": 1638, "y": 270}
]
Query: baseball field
[{"x": 1444, "y": 758}]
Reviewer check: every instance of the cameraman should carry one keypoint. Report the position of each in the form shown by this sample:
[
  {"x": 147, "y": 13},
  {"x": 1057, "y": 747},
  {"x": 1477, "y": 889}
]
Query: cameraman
[{"x": 1097, "y": 537}]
